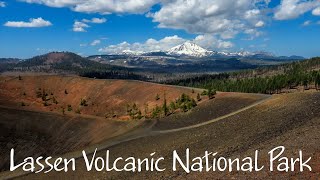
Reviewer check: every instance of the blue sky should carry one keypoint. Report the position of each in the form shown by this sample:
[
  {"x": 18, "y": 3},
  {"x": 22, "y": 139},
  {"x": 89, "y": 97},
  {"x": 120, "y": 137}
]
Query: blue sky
[{"x": 33, "y": 27}]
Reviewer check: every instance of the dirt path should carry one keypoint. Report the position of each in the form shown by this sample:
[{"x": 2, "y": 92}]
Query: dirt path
[
  {"x": 144, "y": 130},
  {"x": 214, "y": 120}
]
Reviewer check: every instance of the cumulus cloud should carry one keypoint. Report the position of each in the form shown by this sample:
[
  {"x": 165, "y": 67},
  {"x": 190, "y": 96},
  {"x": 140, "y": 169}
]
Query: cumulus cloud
[
  {"x": 316, "y": 11},
  {"x": 291, "y": 9},
  {"x": 95, "y": 42},
  {"x": 225, "y": 18},
  {"x": 252, "y": 34},
  {"x": 79, "y": 26},
  {"x": 211, "y": 42},
  {"x": 99, "y": 6},
  {"x": 152, "y": 45},
  {"x": 259, "y": 24},
  {"x": 2, "y": 4},
  {"x": 55, "y": 3},
  {"x": 218, "y": 17},
  {"x": 95, "y": 20},
  {"x": 32, "y": 23}
]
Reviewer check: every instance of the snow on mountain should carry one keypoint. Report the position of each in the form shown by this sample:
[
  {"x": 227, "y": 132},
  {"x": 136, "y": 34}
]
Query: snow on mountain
[
  {"x": 130, "y": 52},
  {"x": 193, "y": 50},
  {"x": 189, "y": 49},
  {"x": 241, "y": 53}
]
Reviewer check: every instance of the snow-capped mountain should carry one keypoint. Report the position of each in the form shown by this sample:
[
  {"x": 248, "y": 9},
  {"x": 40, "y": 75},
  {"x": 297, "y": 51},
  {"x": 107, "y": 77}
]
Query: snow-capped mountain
[
  {"x": 130, "y": 52},
  {"x": 194, "y": 51},
  {"x": 189, "y": 49}
]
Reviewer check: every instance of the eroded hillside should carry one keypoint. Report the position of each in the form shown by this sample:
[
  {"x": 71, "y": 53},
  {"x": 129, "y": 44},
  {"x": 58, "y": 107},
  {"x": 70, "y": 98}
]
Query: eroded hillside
[{"x": 75, "y": 95}]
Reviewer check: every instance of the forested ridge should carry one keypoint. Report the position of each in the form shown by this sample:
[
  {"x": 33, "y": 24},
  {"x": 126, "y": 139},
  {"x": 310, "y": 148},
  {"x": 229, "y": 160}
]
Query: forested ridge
[
  {"x": 70, "y": 63},
  {"x": 266, "y": 80},
  {"x": 62, "y": 61}
]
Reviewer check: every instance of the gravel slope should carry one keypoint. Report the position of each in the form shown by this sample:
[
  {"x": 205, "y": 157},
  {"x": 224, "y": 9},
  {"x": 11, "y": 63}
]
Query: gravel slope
[{"x": 291, "y": 120}]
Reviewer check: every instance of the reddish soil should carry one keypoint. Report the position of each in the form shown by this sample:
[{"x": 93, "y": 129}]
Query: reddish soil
[
  {"x": 105, "y": 98},
  {"x": 35, "y": 129}
]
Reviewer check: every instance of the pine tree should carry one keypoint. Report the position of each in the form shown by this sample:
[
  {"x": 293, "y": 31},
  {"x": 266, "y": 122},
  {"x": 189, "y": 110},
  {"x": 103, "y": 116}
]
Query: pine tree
[
  {"x": 156, "y": 112},
  {"x": 69, "y": 107},
  {"x": 211, "y": 93},
  {"x": 139, "y": 115},
  {"x": 172, "y": 107},
  {"x": 157, "y": 97},
  {"x": 63, "y": 111},
  {"x": 198, "y": 97},
  {"x": 83, "y": 102},
  {"x": 164, "y": 106},
  {"x": 44, "y": 95},
  {"x": 146, "y": 110},
  {"x": 54, "y": 100}
]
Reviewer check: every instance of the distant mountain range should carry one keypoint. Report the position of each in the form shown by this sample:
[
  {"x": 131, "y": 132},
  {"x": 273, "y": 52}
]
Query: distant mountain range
[
  {"x": 192, "y": 50},
  {"x": 190, "y": 57},
  {"x": 185, "y": 58}
]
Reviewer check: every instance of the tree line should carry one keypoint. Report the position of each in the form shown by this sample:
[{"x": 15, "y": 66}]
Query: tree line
[
  {"x": 184, "y": 103},
  {"x": 274, "y": 79}
]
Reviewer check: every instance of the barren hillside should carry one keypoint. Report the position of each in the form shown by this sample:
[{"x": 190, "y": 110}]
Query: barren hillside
[{"x": 104, "y": 98}]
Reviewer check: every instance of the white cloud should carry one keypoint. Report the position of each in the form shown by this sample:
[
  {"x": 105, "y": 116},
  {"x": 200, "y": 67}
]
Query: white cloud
[
  {"x": 95, "y": 20},
  {"x": 226, "y": 18},
  {"x": 101, "y": 6},
  {"x": 37, "y": 22},
  {"x": 114, "y": 49},
  {"x": 55, "y": 3},
  {"x": 250, "y": 14},
  {"x": 306, "y": 23},
  {"x": 95, "y": 42},
  {"x": 211, "y": 42},
  {"x": 2, "y": 4},
  {"x": 219, "y": 17},
  {"x": 316, "y": 11},
  {"x": 79, "y": 26},
  {"x": 291, "y": 9},
  {"x": 252, "y": 33},
  {"x": 259, "y": 24},
  {"x": 150, "y": 45},
  {"x": 206, "y": 41}
]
